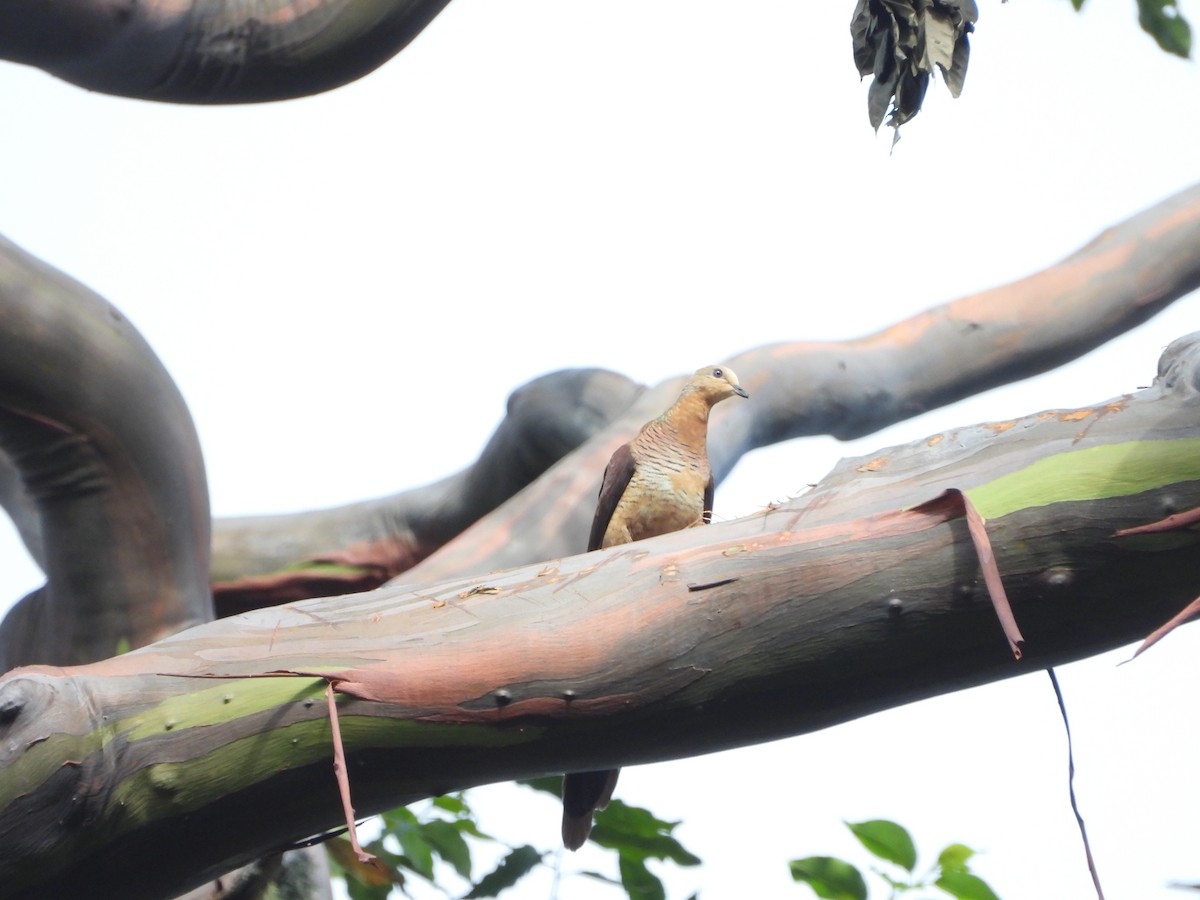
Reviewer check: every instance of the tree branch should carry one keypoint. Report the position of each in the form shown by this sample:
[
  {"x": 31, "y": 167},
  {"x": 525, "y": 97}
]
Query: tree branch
[
  {"x": 852, "y": 388},
  {"x": 264, "y": 560},
  {"x": 845, "y": 388},
  {"x": 208, "y": 51},
  {"x": 109, "y": 458},
  {"x": 794, "y": 619}
]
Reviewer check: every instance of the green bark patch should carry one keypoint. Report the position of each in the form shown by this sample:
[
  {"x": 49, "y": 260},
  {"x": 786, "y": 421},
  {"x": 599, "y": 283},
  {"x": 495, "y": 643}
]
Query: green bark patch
[{"x": 1093, "y": 473}]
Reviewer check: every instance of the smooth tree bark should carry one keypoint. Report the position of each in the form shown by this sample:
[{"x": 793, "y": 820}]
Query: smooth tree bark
[
  {"x": 104, "y": 479},
  {"x": 112, "y": 499},
  {"x": 103, "y": 475},
  {"x": 210, "y": 749},
  {"x": 849, "y": 389},
  {"x": 844, "y": 388},
  {"x": 101, "y": 471},
  {"x": 266, "y": 560},
  {"x": 204, "y": 749},
  {"x": 210, "y": 51}
]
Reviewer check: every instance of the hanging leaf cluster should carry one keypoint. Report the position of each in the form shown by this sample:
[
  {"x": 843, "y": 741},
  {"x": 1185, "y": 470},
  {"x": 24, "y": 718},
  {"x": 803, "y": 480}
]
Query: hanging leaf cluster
[{"x": 899, "y": 43}]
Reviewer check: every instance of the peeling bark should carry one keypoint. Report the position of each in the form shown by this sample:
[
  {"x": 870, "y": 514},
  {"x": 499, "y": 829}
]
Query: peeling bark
[{"x": 848, "y": 600}]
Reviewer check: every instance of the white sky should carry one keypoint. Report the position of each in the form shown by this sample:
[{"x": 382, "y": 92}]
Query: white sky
[{"x": 347, "y": 287}]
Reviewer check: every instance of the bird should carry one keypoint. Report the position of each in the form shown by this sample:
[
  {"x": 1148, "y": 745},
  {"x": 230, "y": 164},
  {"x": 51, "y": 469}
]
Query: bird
[{"x": 656, "y": 483}]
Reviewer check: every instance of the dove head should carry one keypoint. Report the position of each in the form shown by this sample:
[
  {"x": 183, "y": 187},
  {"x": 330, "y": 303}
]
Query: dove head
[{"x": 714, "y": 384}]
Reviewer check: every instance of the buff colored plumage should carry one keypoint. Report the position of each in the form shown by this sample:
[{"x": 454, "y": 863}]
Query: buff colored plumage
[{"x": 659, "y": 482}]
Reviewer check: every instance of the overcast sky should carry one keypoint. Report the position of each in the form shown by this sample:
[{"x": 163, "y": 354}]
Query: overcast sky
[{"x": 346, "y": 288}]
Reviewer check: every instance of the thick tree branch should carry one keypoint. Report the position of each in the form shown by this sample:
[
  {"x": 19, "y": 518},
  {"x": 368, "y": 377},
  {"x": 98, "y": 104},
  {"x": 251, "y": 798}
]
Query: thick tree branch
[
  {"x": 362, "y": 545},
  {"x": 851, "y": 388},
  {"x": 110, "y": 460},
  {"x": 779, "y": 623},
  {"x": 210, "y": 51},
  {"x": 356, "y": 547},
  {"x": 106, "y": 485},
  {"x": 846, "y": 388}
]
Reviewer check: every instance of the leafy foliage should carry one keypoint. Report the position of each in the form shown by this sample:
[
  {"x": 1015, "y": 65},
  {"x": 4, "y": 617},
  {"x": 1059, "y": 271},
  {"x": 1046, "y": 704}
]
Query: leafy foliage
[
  {"x": 829, "y": 877},
  {"x": 887, "y": 840},
  {"x": 1162, "y": 21},
  {"x": 512, "y": 868},
  {"x": 413, "y": 845},
  {"x": 835, "y": 879},
  {"x": 439, "y": 835},
  {"x": 636, "y": 835}
]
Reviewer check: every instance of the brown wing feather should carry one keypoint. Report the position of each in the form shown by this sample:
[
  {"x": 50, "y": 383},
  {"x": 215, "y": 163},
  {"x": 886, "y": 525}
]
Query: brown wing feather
[
  {"x": 583, "y": 794},
  {"x": 709, "y": 490},
  {"x": 617, "y": 476}
]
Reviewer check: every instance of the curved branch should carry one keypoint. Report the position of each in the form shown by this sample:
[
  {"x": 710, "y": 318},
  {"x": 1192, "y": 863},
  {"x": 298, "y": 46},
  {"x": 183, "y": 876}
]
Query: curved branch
[
  {"x": 783, "y": 622},
  {"x": 851, "y": 388},
  {"x": 109, "y": 457},
  {"x": 846, "y": 388},
  {"x": 257, "y": 560},
  {"x": 210, "y": 51}
]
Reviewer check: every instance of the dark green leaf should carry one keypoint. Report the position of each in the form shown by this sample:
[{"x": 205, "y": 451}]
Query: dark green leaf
[
  {"x": 639, "y": 882},
  {"x": 954, "y": 857},
  {"x": 887, "y": 840},
  {"x": 965, "y": 886},
  {"x": 511, "y": 870},
  {"x": 453, "y": 803},
  {"x": 635, "y": 833},
  {"x": 1162, "y": 21},
  {"x": 402, "y": 824},
  {"x": 1078, "y": 4},
  {"x": 551, "y": 784},
  {"x": 359, "y": 891},
  {"x": 447, "y": 841},
  {"x": 468, "y": 826},
  {"x": 418, "y": 855},
  {"x": 830, "y": 878},
  {"x": 401, "y": 815}
]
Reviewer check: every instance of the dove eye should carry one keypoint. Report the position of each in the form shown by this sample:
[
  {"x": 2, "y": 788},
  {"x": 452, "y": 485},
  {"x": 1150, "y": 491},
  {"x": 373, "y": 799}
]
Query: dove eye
[{"x": 717, "y": 373}]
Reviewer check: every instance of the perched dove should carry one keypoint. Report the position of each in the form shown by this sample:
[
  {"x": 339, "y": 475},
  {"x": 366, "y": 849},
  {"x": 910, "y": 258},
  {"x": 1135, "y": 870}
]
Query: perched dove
[{"x": 659, "y": 482}]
